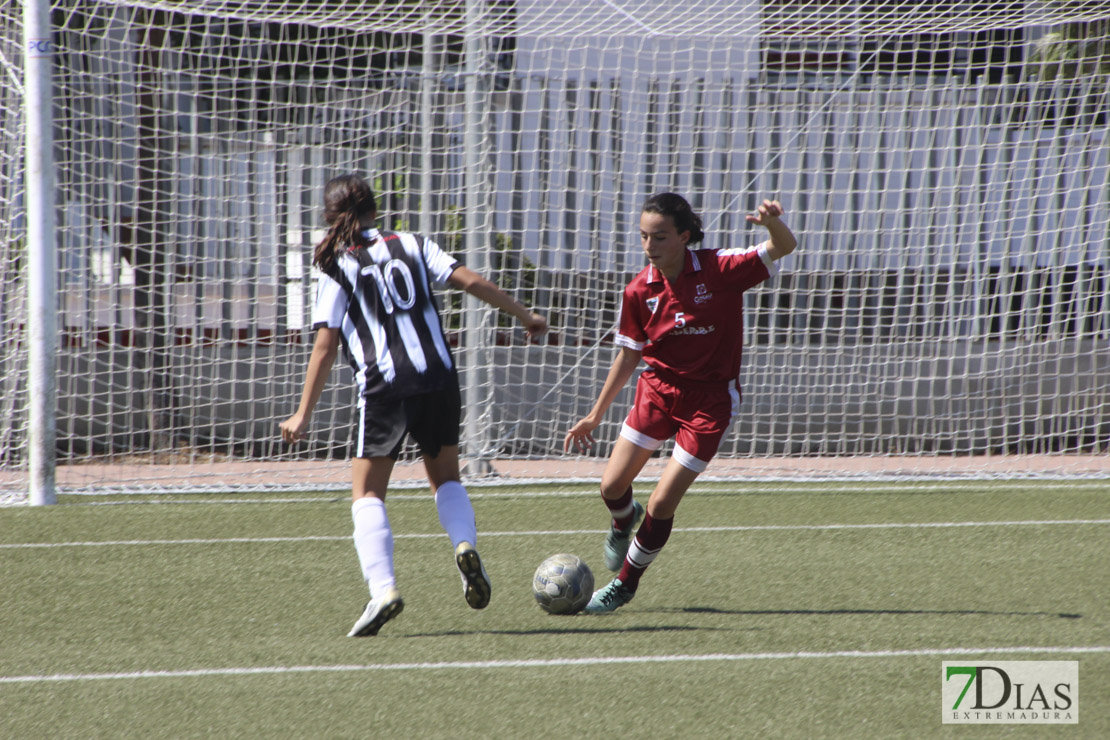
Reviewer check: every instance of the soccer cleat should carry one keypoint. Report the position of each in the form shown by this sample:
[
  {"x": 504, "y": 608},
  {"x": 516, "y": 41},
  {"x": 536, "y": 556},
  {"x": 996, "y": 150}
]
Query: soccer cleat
[
  {"x": 610, "y": 598},
  {"x": 618, "y": 540},
  {"x": 378, "y": 611},
  {"x": 476, "y": 586}
]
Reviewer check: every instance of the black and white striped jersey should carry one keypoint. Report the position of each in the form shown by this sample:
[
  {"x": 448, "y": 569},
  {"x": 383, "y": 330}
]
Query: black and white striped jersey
[{"x": 380, "y": 297}]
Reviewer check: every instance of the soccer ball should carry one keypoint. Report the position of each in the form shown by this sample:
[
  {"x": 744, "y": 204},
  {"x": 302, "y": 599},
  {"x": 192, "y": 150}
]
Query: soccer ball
[{"x": 563, "y": 584}]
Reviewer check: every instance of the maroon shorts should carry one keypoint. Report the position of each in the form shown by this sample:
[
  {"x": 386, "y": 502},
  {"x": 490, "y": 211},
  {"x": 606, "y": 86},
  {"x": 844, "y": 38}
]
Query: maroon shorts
[{"x": 696, "y": 416}]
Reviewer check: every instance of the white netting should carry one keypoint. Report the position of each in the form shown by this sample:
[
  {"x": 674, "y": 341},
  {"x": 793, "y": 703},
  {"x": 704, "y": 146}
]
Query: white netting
[{"x": 945, "y": 165}]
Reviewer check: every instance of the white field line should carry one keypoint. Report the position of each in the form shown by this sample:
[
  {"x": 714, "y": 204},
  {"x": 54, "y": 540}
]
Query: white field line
[
  {"x": 559, "y": 662},
  {"x": 709, "y": 487},
  {"x": 565, "y": 532}
]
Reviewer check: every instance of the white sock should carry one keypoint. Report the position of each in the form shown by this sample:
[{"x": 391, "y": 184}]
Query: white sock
[
  {"x": 456, "y": 514},
  {"x": 373, "y": 543}
]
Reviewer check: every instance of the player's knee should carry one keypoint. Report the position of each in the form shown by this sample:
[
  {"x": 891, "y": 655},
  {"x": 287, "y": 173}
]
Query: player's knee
[{"x": 613, "y": 489}]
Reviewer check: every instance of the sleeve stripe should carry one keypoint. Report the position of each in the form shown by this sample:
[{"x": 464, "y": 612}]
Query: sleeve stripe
[
  {"x": 772, "y": 268},
  {"x": 623, "y": 341}
]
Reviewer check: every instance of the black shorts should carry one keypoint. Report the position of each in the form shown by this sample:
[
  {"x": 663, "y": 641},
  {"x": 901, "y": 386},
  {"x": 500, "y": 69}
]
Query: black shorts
[{"x": 431, "y": 418}]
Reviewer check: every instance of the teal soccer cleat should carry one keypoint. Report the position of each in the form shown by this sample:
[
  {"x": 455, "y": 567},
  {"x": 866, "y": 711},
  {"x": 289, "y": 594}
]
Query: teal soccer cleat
[{"x": 610, "y": 598}]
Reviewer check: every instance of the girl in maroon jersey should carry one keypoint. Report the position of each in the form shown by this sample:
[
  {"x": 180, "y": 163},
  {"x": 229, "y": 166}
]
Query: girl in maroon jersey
[{"x": 683, "y": 314}]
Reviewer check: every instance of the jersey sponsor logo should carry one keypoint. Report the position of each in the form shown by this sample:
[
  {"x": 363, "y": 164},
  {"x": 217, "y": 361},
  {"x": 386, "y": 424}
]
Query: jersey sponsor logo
[
  {"x": 700, "y": 330},
  {"x": 703, "y": 294}
]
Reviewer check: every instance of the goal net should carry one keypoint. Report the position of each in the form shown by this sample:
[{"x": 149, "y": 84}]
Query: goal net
[{"x": 945, "y": 166}]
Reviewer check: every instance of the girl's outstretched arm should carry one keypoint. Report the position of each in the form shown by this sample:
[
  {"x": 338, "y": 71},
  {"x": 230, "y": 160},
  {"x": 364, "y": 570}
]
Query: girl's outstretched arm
[
  {"x": 466, "y": 279},
  {"x": 323, "y": 356},
  {"x": 624, "y": 364}
]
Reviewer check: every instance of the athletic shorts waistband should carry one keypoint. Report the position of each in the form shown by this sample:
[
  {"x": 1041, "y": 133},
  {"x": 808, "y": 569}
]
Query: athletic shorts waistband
[{"x": 678, "y": 381}]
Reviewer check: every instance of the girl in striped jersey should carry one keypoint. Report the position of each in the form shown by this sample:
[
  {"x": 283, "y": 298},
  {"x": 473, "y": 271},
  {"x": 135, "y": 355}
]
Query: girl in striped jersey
[
  {"x": 683, "y": 315},
  {"x": 375, "y": 299}
]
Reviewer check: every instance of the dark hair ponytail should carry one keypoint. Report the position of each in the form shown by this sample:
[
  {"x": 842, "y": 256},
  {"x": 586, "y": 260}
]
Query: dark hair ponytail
[
  {"x": 675, "y": 206},
  {"x": 347, "y": 199}
]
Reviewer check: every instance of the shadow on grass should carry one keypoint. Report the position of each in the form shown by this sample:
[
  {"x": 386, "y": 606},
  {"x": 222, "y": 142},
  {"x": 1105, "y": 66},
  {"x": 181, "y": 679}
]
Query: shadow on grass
[
  {"x": 839, "y": 612},
  {"x": 576, "y": 630}
]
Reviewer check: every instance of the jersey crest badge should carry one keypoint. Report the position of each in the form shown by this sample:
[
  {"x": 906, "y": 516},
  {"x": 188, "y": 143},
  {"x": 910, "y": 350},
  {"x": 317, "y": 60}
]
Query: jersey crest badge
[{"x": 652, "y": 304}]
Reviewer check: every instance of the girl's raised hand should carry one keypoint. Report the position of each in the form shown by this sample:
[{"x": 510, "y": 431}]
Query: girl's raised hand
[{"x": 767, "y": 212}]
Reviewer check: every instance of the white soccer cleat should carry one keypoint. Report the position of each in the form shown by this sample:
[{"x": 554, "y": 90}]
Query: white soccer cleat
[
  {"x": 378, "y": 611},
  {"x": 476, "y": 585}
]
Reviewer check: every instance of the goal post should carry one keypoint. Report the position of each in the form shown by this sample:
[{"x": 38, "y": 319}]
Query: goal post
[
  {"x": 945, "y": 165},
  {"x": 41, "y": 316}
]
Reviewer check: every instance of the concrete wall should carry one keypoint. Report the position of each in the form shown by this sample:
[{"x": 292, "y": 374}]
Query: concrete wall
[{"x": 947, "y": 397}]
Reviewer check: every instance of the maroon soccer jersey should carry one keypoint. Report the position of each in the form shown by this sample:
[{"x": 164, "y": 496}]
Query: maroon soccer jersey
[{"x": 692, "y": 329}]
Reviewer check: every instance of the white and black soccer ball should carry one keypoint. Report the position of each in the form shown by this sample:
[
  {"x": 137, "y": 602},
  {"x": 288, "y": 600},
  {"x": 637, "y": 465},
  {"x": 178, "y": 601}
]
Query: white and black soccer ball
[{"x": 563, "y": 584}]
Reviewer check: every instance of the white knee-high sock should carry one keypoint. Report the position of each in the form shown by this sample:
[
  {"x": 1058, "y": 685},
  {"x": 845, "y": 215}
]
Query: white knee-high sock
[
  {"x": 373, "y": 543},
  {"x": 456, "y": 514}
]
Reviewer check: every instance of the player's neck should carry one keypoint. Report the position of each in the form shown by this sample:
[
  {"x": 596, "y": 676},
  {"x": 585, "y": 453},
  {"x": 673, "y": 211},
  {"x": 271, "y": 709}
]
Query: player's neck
[{"x": 671, "y": 272}]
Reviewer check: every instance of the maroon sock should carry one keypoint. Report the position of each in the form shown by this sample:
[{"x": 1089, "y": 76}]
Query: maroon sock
[
  {"x": 621, "y": 509},
  {"x": 645, "y": 547}
]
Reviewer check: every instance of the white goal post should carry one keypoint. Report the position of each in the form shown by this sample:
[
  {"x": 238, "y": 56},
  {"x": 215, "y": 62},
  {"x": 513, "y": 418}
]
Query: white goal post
[{"x": 945, "y": 165}]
